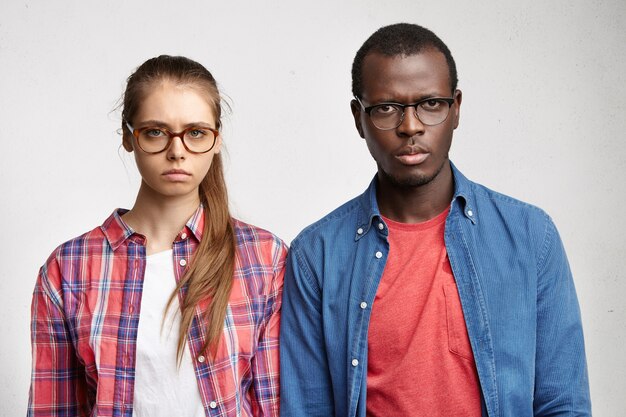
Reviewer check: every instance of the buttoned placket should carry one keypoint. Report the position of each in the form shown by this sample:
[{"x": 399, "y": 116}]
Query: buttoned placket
[
  {"x": 131, "y": 306},
  {"x": 201, "y": 361},
  {"x": 471, "y": 297},
  {"x": 379, "y": 254}
]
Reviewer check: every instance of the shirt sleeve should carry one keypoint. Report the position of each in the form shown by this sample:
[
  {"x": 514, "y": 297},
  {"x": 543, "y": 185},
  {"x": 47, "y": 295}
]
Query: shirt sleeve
[
  {"x": 561, "y": 381},
  {"x": 306, "y": 387},
  {"x": 266, "y": 362},
  {"x": 56, "y": 388}
]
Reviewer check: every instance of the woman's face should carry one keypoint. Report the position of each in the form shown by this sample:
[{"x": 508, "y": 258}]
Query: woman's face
[{"x": 175, "y": 172}]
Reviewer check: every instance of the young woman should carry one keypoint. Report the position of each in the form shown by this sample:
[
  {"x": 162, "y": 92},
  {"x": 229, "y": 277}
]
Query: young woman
[{"x": 171, "y": 308}]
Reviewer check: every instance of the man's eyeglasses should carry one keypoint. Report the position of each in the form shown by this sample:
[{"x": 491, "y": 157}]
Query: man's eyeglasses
[
  {"x": 430, "y": 111},
  {"x": 155, "y": 139}
]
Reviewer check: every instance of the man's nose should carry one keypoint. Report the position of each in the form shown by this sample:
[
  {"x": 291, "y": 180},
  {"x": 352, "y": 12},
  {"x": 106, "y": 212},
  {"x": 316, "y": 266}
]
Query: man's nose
[{"x": 411, "y": 125}]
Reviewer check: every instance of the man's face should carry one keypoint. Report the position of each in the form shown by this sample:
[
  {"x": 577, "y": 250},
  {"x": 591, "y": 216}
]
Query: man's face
[{"x": 412, "y": 154}]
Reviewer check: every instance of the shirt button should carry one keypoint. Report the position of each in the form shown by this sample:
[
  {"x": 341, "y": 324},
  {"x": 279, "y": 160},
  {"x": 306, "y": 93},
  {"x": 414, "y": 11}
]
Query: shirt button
[
  {"x": 381, "y": 226},
  {"x": 359, "y": 231},
  {"x": 379, "y": 254},
  {"x": 201, "y": 358},
  {"x": 363, "y": 305},
  {"x": 470, "y": 213},
  {"x": 355, "y": 362},
  {"x": 212, "y": 404},
  {"x": 183, "y": 235},
  {"x": 182, "y": 262}
]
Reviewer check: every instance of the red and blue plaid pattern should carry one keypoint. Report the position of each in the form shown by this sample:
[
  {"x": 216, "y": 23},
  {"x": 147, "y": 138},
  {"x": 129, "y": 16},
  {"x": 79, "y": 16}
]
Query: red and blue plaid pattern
[{"x": 86, "y": 308}]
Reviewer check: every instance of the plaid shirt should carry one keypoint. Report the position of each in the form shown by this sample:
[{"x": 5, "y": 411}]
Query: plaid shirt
[{"x": 86, "y": 308}]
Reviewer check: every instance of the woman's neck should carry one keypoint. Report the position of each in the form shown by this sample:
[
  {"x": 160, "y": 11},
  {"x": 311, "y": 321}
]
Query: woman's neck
[{"x": 160, "y": 218}]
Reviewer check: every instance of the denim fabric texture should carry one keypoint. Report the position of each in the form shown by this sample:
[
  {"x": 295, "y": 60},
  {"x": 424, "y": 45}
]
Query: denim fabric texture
[{"x": 516, "y": 291}]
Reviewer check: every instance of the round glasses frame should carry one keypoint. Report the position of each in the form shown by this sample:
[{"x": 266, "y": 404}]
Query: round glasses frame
[
  {"x": 447, "y": 100},
  {"x": 171, "y": 135}
]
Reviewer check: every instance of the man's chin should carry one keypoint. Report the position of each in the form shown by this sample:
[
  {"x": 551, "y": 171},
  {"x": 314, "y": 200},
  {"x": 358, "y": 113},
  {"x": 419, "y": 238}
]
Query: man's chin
[
  {"x": 408, "y": 181},
  {"x": 412, "y": 182}
]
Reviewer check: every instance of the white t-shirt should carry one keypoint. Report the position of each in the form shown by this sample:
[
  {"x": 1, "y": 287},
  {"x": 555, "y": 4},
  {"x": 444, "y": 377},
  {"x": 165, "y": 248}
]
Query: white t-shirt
[{"x": 161, "y": 388}]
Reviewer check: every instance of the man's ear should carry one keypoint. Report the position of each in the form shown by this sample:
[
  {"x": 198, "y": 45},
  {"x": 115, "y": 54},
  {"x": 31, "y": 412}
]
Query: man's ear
[
  {"x": 356, "y": 113},
  {"x": 458, "y": 97}
]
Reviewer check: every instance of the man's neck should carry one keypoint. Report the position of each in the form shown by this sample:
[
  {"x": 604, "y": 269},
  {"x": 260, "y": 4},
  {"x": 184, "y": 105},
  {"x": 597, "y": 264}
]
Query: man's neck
[{"x": 417, "y": 204}]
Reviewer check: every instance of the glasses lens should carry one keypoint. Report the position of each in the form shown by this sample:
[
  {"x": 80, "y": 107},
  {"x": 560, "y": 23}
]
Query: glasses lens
[
  {"x": 199, "y": 139},
  {"x": 386, "y": 116},
  {"x": 433, "y": 112},
  {"x": 153, "y": 139}
]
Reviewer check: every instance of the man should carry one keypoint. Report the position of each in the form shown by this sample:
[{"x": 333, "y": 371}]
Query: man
[{"x": 428, "y": 295}]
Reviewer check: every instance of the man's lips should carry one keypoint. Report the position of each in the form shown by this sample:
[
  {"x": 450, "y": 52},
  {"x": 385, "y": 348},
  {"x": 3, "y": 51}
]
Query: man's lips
[{"x": 411, "y": 155}]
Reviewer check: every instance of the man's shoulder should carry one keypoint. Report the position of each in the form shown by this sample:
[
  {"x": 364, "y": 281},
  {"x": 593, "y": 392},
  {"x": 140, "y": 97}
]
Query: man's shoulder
[
  {"x": 485, "y": 195},
  {"x": 475, "y": 193},
  {"x": 504, "y": 223},
  {"x": 338, "y": 221},
  {"x": 492, "y": 208}
]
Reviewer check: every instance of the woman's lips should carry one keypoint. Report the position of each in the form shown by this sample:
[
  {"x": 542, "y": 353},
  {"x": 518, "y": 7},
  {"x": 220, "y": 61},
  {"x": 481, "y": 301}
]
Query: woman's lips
[{"x": 176, "y": 175}]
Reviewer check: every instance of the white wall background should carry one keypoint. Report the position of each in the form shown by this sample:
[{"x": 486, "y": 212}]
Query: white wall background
[{"x": 542, "y": 119}]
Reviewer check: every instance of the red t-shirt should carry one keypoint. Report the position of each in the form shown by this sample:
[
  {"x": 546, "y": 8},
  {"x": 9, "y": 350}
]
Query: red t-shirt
[{"x": 420, "y": 361}]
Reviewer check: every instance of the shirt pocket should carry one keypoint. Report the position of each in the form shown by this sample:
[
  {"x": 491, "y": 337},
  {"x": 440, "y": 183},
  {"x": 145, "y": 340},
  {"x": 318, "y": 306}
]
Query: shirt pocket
[{"x": 458, "y": 340}]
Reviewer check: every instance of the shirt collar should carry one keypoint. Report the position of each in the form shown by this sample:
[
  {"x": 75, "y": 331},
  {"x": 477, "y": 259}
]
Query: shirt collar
[
  {"x": 195, "y": 224},
  {"x": 370, "y": 212},
  {"x": 463, "y": 194},
  {"x": 462, "y": 186},
  {"x": 117, "y": 231}
]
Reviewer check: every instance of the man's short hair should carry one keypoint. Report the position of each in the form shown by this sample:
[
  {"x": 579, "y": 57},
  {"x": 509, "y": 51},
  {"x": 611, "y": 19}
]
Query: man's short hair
[{"x": 400, "y": 39}]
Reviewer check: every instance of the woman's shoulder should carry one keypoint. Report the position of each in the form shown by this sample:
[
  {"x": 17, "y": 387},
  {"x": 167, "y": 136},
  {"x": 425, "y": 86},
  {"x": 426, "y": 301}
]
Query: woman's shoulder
[
  {"x": 256, "y": 243},
  {"x": 91, "y": 243},
  {"x": 247, "y": 233},
  {"x": 68, "y": 261},
  {"x": 78, "y": 245}
]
